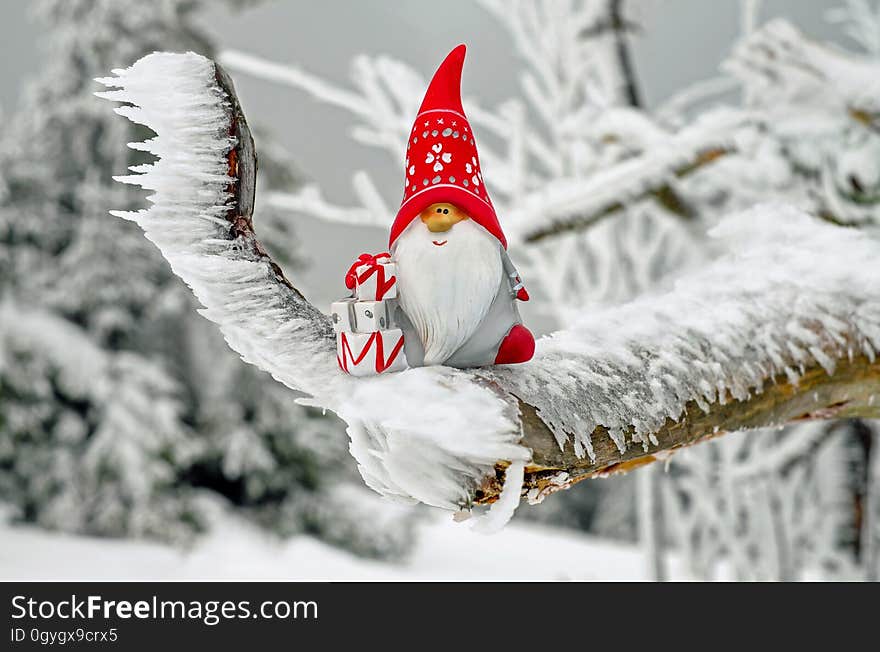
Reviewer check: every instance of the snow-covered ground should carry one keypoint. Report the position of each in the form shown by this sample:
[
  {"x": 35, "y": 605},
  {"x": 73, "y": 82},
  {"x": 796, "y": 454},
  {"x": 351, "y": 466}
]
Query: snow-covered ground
[{"x": 238, "y": 551}]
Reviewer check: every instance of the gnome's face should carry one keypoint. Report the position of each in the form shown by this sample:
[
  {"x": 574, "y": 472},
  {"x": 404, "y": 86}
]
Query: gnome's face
[
  {"x": 449, "y": 271},
  {"x": 440, "y": 218}
]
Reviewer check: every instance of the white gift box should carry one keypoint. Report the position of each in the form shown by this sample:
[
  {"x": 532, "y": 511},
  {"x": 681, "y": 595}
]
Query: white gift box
[
  {"x": 376, "y": 281},
  {"x": 351, "y": 315},
  {"x": 372, "y": 316},
  {"x": 368, "y": 354},
  {"x": 342, "y": 314}
]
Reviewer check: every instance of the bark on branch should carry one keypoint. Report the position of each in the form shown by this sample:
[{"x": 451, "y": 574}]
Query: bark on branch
[{"x": 852, "y": 391}]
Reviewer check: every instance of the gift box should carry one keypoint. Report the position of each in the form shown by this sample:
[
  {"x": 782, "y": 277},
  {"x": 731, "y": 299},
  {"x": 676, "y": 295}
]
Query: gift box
[
  {"x": 356, "y": 316},
  {"x": 372, "y": 316},
  {"x": 342, "y": 315},
  {"x": 368, "y": 354},
  {"x": 376, "y": 279}
]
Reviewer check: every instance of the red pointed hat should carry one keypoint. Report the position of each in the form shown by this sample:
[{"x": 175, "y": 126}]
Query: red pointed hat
[{"x": 442, "y": 165}]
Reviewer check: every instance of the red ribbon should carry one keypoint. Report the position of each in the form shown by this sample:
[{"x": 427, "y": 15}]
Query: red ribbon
[
  {"x": 382, "y": 363},
  {"x": 363, "y": 259},
  {"x": 351, "y": 278}
]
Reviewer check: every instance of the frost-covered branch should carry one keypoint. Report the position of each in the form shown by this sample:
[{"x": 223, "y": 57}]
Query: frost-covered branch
[
  {"x": 851, "y": 390},
  {"x": 201, "y": 219},
  {"x": 383, "y": 99},
  {"x": 624, "y": 58},
  {"x": 818, "y": 107},
  {"x": 793, "y": 301},
  {"x": 775, "y": 62},
  {"x": 310, "y": 200},
  {"x": 575, "y": 204},
  {"x": 784, "y": 64},
  {"x": 786, "y": 325}
]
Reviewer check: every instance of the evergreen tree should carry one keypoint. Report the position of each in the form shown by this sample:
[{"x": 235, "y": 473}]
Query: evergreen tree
[{"x": 120, "y": 411}]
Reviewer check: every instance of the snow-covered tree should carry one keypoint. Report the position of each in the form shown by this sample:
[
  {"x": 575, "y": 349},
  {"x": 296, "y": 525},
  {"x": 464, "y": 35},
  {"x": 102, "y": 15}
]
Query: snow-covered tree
[
  {"x": 121, "y": 412},
  {"x": 801, "y": 502}
]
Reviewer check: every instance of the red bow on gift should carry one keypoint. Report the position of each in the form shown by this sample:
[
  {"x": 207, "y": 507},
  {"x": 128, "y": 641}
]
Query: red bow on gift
[{"x": 363, "y": 259}]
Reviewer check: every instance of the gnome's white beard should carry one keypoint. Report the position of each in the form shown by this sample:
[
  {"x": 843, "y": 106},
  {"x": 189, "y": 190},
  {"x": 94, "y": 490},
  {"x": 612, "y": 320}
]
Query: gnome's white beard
[{"x": 446, "y": 291}]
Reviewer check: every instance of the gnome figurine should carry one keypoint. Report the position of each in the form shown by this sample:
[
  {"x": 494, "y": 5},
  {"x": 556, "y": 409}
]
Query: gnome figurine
[{"x": 457, "y": 289}]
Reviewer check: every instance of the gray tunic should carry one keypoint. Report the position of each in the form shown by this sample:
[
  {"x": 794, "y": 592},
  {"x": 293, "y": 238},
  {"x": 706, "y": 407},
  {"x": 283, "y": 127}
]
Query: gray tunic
[{"x": 482, "y": 347}]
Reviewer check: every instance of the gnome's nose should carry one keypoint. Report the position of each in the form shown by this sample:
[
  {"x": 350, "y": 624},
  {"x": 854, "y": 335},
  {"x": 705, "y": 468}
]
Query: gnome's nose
[
  {"x": 439, "y": 218},
  {"x": 439, "y": 224}
]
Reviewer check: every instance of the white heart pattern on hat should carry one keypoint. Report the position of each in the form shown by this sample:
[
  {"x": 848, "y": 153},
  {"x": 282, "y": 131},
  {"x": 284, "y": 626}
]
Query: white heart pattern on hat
[
  {"x": 439, "y": 159},
  {"x": 450, "y": 156}
]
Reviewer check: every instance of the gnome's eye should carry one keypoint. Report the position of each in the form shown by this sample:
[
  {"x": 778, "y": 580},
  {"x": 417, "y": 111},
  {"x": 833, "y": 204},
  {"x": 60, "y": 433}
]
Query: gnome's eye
[
  {"x": 439, "y": 210},
  {"x": 445, "y": 211}
]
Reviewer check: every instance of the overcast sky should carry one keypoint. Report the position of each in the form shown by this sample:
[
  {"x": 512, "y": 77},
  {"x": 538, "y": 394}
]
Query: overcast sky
[{"x": 682, "y": 41}]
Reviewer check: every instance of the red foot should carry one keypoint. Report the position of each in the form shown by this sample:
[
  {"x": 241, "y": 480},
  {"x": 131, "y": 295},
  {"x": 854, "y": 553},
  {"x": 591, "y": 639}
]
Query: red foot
[{"x": 518, "y": 346}]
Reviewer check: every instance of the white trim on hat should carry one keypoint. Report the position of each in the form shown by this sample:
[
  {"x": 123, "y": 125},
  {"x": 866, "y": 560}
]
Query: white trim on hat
[
  {"x": 460, "y": 115},
  {"x": 446, "y": 185}
]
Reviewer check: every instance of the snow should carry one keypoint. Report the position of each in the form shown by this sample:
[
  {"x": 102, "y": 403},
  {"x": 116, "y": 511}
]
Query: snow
[
  {"x": 59, "y": 340},
  {"x": 790, "y": 291},
  {"x": 235, "y": 550},
  {"x": 268, "y": 323},
  {"x": 564, "y": 201},
  {"x": 785, "y": 64},
  {"x": 430, "y": 433},
  {"x": 860, "y": 22},
  {"x": 502, "y": 511}
]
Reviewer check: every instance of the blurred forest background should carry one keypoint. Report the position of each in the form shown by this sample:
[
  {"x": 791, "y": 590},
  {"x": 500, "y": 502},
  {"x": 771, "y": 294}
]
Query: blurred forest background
[{"x": 123, "y": 413}]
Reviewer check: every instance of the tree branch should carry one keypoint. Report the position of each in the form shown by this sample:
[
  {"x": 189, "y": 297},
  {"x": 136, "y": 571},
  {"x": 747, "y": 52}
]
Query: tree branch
[
  {"x": 783, "y": 60},
  {"x": 201, "y": 215},
  {"x": 627, "y": 70},
  {"x": 576, "y": 205},
  {"x": 853, "y": 390},
  {"x": 660, "y": 190},
  {"x": 786, "y": 64}
]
